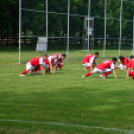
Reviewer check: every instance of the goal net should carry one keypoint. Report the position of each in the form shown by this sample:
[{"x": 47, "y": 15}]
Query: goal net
[{"x": 65, "y": 25}]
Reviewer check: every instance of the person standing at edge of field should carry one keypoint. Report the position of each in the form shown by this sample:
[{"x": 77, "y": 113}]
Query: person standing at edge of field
[
  {"x": 89, "y": 61},
  {"x": 124, "y": 62},
  {"x": 130, "y": 65},
  {"x": 35, "y": 63},
  {"x": 106, "y": 67},
  {"x": 59, "y": 60}
]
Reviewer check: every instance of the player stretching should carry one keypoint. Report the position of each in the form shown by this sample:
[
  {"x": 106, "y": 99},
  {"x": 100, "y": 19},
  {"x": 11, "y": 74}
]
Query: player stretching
[
  {"x": 35, "y": 63},
  {"x": 106, "y": 67},
  {"x": 130, "y": 65},
  {"x": 52, "y": 63},
  {"x": 124, "y": 61},
  {"x": 49, "y": 64},
  {"x": 59, "y": 60},
  {"x": 45, "y": 65},
  {"x": 89, "y": 61}
]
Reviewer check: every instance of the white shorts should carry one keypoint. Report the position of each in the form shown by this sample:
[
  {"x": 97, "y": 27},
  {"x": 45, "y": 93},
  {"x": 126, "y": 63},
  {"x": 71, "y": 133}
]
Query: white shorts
[
  {"x": 121, "y": 66},
  {"x": 46, "y": 66},
  {"x": 86, "y": 64},
  {"x": 96, "y": 70},
  {"x": 58, "y": 63},
  {"x": 29, "y": 66}
]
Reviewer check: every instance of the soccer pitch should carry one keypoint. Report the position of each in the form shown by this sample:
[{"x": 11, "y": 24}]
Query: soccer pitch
[{"x": 64, "y": 102}]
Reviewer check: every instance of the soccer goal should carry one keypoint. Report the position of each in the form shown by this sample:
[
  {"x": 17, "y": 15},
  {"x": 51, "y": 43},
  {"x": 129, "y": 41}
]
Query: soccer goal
[{"x": 72, "y": 26}]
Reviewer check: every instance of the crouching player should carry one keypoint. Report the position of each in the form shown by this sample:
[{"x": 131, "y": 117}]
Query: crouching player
[
  {"x": 89, "y": 61},
  {"x": 105, "y": 68},
  {"x": 124, "y": 62},
  {"x": 48, "y": 64},
  {"x": 45, "y": 65},
  {"x": 52, "y": 63},
  {"x": 130, "y": 65},
  {"x": 59, "y": 60},
  {"x": 35, "y": 63}
]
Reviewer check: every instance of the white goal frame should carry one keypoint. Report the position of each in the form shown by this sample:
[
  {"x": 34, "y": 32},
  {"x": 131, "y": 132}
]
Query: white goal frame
[{"x": 68, "y": 24}]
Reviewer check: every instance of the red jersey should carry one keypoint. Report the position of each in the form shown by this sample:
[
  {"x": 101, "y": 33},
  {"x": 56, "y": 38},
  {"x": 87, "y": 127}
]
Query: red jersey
[
  {"x": 36, "y": 61},
  {"x": 105, "y": 64},
  {"x": 59, "y": 58},
  {"x": 46, "y": 61},
  {"x": 51, "y": 59},
  {"x": 131, "y": 63},
  {"x": 88, "y": 59},
  {"x": 125, "y": 61}
]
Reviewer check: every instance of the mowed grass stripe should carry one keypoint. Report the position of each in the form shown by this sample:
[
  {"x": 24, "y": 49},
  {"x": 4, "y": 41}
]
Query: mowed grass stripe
[
  {"x": 69, "y": 125},
  {"x": 64, "y": 97}
]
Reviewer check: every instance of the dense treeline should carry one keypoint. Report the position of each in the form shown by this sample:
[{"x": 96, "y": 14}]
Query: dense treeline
[
  {"x": 35, "y": 22},
  {"x": 9, "y": 16}
]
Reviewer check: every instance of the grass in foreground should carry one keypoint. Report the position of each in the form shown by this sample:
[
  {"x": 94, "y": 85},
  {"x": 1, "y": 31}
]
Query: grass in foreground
[{"x": 64, "y": 103}]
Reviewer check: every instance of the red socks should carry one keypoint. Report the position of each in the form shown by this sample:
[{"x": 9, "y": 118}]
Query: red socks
[
  {"x": 59, "y": 66},
  {"x": 25, "y": 72},
  {"x": 88, "y": 67},
  {"x": 89, "y": 73},
  {"x": 131, "y": 74},
  {"x": 107, "y": 73}
]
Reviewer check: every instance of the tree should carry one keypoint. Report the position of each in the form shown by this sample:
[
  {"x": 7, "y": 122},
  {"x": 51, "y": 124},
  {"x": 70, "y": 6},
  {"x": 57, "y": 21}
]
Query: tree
[
  {"x": 9, "y": 14},
  {"x": 35, "y": 23}
]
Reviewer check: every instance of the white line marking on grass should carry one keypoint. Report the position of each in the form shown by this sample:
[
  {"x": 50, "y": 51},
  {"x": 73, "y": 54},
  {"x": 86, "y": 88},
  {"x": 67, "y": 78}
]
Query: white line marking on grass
[
  {"x": 7, "y": 74},
  {"x": 70, "y": 125},
  {"x": 48, "y": 76},
  {"x": 35, "y": 75}
]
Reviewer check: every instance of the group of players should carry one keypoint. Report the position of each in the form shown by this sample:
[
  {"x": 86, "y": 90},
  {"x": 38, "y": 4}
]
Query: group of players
[
  {"x": 49, "y": 63},
  {"x": 46, "y": 63},
  {"x": 107, "y": 67}
]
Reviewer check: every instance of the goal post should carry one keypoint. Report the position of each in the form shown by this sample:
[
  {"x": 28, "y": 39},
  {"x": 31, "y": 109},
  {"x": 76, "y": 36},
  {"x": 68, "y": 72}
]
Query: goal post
[
  {"x": 20, "y": 30},
  {"x": 132, "y": 53},
  {"x": 67, "y": 27}
]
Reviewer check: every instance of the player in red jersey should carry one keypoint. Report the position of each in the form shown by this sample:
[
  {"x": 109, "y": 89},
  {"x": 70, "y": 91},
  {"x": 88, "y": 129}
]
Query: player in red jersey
[
  {"x": 124, "y": 61},
  {"x": 59, "y": 60},
  {"x": 49, "y": 64},
  {"x": 45, "y": 65},
  {"x": 130, "y": 65},
  {"x": 52, "y": 63},
  {"x": 105, "y": 67},
  {"x": 34, "y": 63},
  {"x": 89, "y": 61}
]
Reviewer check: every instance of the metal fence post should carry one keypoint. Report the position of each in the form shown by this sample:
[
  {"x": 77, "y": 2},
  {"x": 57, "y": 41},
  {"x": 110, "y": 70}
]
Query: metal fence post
[
  {"x": 89, "y": 3},
  {"x": 133, "y": 31},
  {"x": 120, "y": 26},
  {"x": 68, "y": 29},
  {"x": 47, "y": 22},
  {"x": 105, "y": 26},
  {"x": 19, "y": 31}
]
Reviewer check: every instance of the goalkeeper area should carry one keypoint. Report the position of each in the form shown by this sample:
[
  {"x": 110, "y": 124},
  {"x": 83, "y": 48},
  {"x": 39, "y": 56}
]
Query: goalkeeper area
[{"x": 82, "y": 26}]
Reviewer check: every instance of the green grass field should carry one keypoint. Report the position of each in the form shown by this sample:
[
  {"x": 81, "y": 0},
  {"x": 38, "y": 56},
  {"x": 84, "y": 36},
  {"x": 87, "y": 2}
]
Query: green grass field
[{"x": 63, "y": 103}]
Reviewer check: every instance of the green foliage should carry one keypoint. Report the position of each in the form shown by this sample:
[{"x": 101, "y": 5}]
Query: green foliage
[
  {"x": 9, "y": 14},
  {"x": 35, "y": 23},
  {"x": 58, "y": 23}
]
